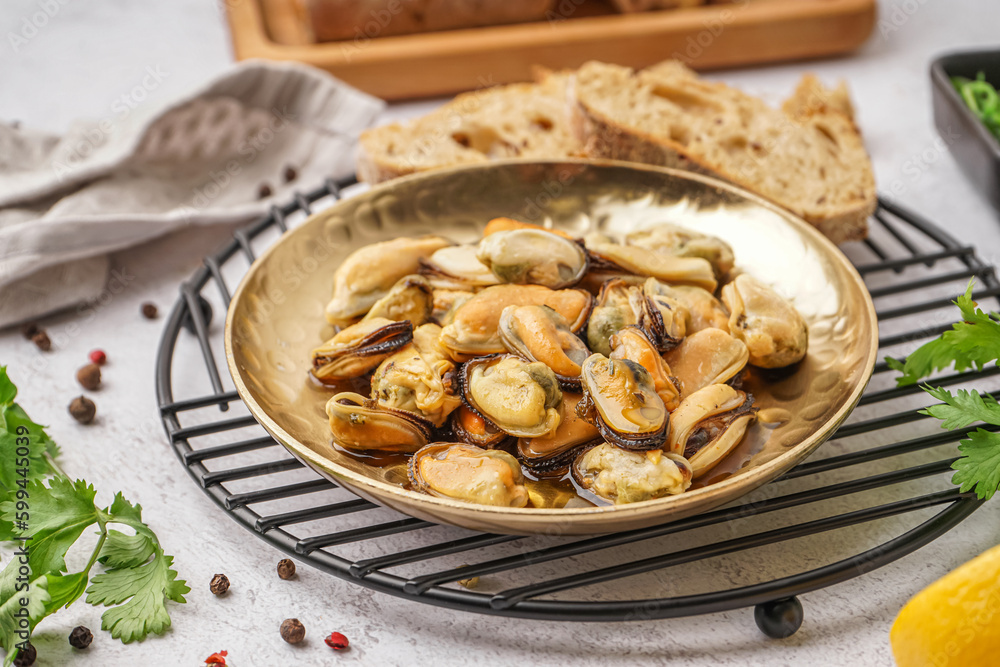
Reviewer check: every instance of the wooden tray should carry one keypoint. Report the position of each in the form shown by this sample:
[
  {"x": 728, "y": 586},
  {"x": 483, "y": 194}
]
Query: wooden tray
[{"x": 711, "y": 36}]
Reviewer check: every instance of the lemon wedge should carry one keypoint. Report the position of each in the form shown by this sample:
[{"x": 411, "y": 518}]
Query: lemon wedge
[{"x": 955, "y": 621}]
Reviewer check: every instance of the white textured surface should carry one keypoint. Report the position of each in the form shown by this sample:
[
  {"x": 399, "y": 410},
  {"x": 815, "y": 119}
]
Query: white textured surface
[{"x": 90, "y": 54}]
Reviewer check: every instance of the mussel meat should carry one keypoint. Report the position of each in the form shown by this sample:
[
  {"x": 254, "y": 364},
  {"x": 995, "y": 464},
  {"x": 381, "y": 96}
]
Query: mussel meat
[
  {"x": 632, "y": 343},
  {"x": 772, "y": 329},
  {"x": 682, "y": 242},
  {"x": 470, "y": 427},
  {"x": 553, "y": 453},
  {"x": 519, "y": 397},
  {"x": 614, "y": 259},
  {"x": 622, "y": 302},
  {"x": 411, "y": 298},
  {"x": 623, "y": 476},
  {"x": 709, "y": 424},
  {"x": 358, "y": 424},
  {"x": 706, "y": 357},
  {"x": 354, "y": 351},
  {"x": 370, "y": 272},
  {"x": 468, "y": 473},
  {"x": 620, "y": 399},
  {"x": 538, "y": 333},
  {"x": 533, "y": 256},
  {"x": 704, "y": 310},
  {"x": 473, "y": 330},
  {"x": 457, "y": 268},
  {"x": 508, "y": 224}
]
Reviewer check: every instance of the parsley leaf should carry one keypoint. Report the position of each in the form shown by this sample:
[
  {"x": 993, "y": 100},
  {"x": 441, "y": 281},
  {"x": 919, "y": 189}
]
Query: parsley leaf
[
  {"x": 973, "y": 342},
  {"x": 963, "y": 408},
  {"x": 979, "y": 466}
]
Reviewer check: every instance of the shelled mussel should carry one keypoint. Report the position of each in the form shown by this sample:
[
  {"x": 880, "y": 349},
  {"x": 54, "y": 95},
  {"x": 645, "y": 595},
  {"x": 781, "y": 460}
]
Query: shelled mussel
[{"x": 492, "y": 366}]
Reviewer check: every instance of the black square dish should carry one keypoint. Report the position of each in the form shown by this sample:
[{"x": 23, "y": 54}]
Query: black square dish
[{"x": 975, "y": 149}]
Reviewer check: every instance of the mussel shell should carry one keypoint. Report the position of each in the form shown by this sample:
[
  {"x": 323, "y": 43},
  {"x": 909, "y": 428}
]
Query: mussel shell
[
  {"x": 709, "y": 424},
  {"x": 663, "y": 317},
  {"x": 359, "y": 348},
  {"x": 527, "y": 410},
  {"x": 624, "y": 476},
  {"x": 471, "y": 428},
  {"x": 774, "y": 332},
  {"x": 553, "y": 453},
  {"x": 491, "y": 476},
  {"x": 474, "y": 329},
  {"x": 538, "y": 333},
  {"x": 370, "y": 272},
  {"x": 533, "y": 256},
  {"x": 620, "y": 397},
  {"x": 357, "y": 424}
]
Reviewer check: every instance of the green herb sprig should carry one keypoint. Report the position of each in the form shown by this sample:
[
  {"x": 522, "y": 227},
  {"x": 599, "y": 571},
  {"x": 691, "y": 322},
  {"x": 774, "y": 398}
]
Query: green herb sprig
[
  {"x": 972, "y": 343},
  {"x": 982, "y": 99},
  {"x": 137, "y": 577}
]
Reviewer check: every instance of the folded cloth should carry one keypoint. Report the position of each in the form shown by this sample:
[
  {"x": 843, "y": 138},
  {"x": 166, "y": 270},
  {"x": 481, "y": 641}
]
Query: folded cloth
[{"x": 224, "y": 153}]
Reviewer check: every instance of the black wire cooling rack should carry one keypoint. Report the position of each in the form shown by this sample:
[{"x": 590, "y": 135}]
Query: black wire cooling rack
[{"x": 876, "y": 492}]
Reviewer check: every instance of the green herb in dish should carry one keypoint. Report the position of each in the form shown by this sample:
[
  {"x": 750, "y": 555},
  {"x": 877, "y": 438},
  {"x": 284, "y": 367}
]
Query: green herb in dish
[
  {"x": 44, "y": 513},
  {"x": 982, "y": 98},
  {"x": 972, "y": 343}
]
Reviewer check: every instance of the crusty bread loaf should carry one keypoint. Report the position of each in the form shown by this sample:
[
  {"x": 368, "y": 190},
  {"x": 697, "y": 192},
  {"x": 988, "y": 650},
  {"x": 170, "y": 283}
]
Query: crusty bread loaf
[
  {"x": 628, "y": 6},
  {"x": 807, "y": 157},
  {"x": 518, "y": 120}
]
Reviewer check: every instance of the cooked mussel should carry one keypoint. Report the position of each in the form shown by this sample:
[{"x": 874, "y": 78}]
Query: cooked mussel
[
  {"x": 509, "y": 224},
  {"x": 446, "y": 302},
  {"x": 358, "y": 424},
  {"x": 418, "y": 379},
  {"x": 553, "y": 453},
  {"x": 470, "y": 427},
  {"x": 370, "y": 272},
  {"x": 457, "y": 268},
  {"x": 623, "y": 476},
  {"x": 632, "y": 343},
  {"x": 709, "y": 424},
  {"x": 354, "y": 351},
  {"x": 519, "y": 397},
  {"x": 774, "y": 332},
  {"x": 704, "y": 310},
  {"x": 622, "y": 302},
  {"x": 469, "y": 473},
  {"x": 538, "y": 333},
  {"x": 411, "y": 298},
  {"x": 682, "y": 242},
  {"x": 664, "y": 318},
  {"x": 473, "y": 330},
  {"x": 706, "y": 357},
  {"x": 620, "y": 399},
  {"x": 612, "y": 259},
  {"x": 533, "y": 256}
]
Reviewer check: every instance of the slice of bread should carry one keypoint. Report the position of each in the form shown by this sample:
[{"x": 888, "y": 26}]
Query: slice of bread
[
  {"x": 807, "y": 157},
  {"x": 517, "y": 120}
]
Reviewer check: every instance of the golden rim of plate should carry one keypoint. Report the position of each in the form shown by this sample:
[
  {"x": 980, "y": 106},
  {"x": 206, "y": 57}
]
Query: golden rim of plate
[{"x": 550, "y": 184}]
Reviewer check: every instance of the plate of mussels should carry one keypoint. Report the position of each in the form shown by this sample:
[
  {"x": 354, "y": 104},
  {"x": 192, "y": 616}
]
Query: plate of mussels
[{"x": 570, "y": 347}]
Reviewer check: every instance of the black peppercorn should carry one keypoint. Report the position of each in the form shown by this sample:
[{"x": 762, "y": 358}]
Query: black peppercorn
[
  {"x": 264, "y": 191},
  {"x": 286, "y": 568},
  {"x": 292, "y": 631},
  {"x": 83, "y": 409},
  {"x": 219, "y": 585},
  {"x": 149, "y": 310},
  {"x": 89, "y": 376},
  {"x": 26, "y": 657},
  {"x": 80, "y": 637},
  {"x": 29, "y": 329},
  {"x": 42, "y": 341},
  {"x": 290, "y": 174}
]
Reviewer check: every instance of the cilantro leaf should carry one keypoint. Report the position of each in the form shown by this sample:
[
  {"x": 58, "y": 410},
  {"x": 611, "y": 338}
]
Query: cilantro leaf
[
  {"x": 962, "y": 408},
  {"x": 122, "y": 551},
  {"x": 979, "y": 466},
  {"x": 973, "y": 342},
  {"x": 10, "y": 608},
  {"x": 137, "y": 597},
  {"x": 8, "y": 392}
]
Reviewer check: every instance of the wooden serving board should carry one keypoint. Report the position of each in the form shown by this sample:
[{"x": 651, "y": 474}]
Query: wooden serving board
[{"x": 712, "y": 36}]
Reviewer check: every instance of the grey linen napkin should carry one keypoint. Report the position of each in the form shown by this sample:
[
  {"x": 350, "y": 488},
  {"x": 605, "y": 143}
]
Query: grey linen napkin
[{"x": 67, "y": 201}]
